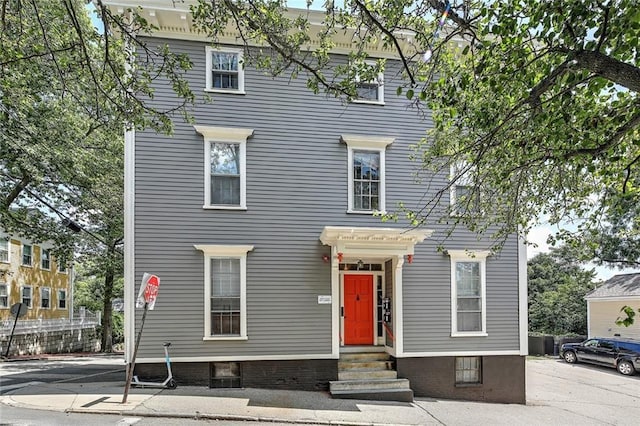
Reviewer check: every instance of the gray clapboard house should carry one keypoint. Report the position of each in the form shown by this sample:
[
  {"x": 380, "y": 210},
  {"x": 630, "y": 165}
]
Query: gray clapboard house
[{"x": 275, "y": 272}]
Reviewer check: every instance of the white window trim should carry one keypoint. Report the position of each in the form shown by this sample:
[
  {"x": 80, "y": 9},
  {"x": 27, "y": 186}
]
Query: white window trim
[
  {"x": 30, "y": 265},
  {"x": 42, "y": 289},
  {"x": 224, "y": 135},
  {"x": 452, "y": 190},
  {"x": 30, "y": 305},
  {"x": 4, "y": 284},
  {"x": 366, "y": 143},
  {"x": 7, "y": 238},
  {"x": 59, "y": 264},
  {"x": 224, "y": 252},
  {"x": 42, "y": 249},
  {"x": 66, "y": 300},
  {"x": 479, "y": 256},
  {"x": 209, "y": 65},
  {"x": 380, "y": 82}
]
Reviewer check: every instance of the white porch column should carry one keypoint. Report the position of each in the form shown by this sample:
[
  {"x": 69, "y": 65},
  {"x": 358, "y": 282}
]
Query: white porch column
[
  {"x": 335, "y": 303},
  {"x": 398, "y": 326}
]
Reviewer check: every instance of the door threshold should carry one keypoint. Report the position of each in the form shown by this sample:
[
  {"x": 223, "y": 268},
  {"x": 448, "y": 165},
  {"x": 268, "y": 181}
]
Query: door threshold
[{"x": 360, "y": 349}]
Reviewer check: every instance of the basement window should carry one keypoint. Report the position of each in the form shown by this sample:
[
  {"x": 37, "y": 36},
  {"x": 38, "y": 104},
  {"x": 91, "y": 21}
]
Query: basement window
[
  {"x": 468, "y": 370},
  {"x": 225, "y": 375}
]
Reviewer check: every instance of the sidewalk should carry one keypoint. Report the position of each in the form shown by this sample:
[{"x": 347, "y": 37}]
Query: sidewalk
[
  {"x": 557, "y": 393},
  {"x": 216, "y": 404}
]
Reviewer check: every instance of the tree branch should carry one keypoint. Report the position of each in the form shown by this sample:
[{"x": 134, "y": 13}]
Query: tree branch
[
  {"x": 612, "y": 141},
  {"x": 546, "y": 83},
  {"x": 389, "y": 34},
  {"x": 603, "y": 28},
  {"x": 17, "y": 189},
  {"x": 605, "y": 66}
]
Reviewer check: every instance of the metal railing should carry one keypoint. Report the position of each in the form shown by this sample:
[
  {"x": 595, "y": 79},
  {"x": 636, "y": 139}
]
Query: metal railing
[{"x": 82, "y": 318}]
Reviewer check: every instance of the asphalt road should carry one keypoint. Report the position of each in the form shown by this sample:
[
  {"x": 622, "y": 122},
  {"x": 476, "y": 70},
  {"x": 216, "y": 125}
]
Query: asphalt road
[
  {"x": 16, "y": 374},
  {"x": 557, "y": 393}
]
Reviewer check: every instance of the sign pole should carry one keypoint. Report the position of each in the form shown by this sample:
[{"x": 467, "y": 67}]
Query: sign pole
[
  {"x": 135, "y": 353},
  {"x": 18, "y": 312}
]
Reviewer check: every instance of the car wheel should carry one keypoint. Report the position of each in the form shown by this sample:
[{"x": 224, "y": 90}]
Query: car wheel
[
  {"x": 626, "y": 368},
  {"x": 570, "y": 357}
]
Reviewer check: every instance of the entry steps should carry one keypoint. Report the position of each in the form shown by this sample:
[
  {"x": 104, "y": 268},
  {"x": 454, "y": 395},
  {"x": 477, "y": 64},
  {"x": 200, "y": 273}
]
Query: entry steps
[{"x": 371, "y": 376}]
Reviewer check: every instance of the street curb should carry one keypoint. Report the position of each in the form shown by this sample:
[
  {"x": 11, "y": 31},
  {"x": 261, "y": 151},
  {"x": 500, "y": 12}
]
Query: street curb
[
  {"x": 228, "y": 417},
  {"x": 62, "y": 356}
]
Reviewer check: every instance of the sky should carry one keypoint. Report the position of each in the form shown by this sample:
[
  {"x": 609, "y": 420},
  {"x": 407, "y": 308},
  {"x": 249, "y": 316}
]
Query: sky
[{"x": 538, "y": 236}]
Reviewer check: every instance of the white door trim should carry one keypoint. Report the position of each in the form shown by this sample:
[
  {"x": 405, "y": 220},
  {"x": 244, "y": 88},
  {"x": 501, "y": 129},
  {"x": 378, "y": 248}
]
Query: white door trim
[{"x": 374, "y": 291}]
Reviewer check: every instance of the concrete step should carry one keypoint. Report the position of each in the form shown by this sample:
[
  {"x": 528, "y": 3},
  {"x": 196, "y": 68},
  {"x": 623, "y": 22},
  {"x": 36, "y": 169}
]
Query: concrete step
[
  {"x": 356, "y": 349},
  {"x": 369, "y": 384},
  {"x": 367, "y": 374},
  {"x": 403, "y": 395},
  {"x": 364, "y": 365},
  {"x": 370, "y": 356}
]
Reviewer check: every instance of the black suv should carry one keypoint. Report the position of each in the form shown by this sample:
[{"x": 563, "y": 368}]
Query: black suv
[{"x": 623, "y": 354}]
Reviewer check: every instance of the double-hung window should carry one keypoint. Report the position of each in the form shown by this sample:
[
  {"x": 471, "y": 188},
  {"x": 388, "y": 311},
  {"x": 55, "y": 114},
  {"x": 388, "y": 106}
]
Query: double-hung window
[
  {"x": 225, "y": 287},
  {"x": 27, "y": 255},
  {"x": 468, "y": 293},
  {"x": 225, "y": 70},
  {"x": 464, "y": 191},
  {"x": 26, "y": 296},
  {"x": 5, "y": 246},
  {"x": 4, "y": 296},
  {"x": 370, "y": 91},
  {"x": 45, "y": 297},
  {"x": 225, "y": 172},
  {"x": 45, "y": 259},
  {"x": 62, "y": 299},
  {"x": 62, "y": 267},
  {"x": 366, "y": 174}
]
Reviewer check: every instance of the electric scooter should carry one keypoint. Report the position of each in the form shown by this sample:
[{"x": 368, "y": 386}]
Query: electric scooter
[{"x": 169, "y": 382}]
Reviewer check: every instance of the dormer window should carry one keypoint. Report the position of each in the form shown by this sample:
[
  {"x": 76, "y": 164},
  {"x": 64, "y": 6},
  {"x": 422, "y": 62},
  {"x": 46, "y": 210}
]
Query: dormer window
[
  {"x": 225, "y": 71},
  {"x": 370, "y": 91}
]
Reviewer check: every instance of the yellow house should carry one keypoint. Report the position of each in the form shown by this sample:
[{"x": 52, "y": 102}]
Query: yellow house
[
  {"x": 604, "y": 304},
  {"x": 31, "y": 275}
]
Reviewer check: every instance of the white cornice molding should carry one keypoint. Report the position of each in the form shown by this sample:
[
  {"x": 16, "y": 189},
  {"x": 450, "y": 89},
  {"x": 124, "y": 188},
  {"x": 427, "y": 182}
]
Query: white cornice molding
[
  {"x": 173, "y": 20},
  {"x": 224, "y": 134},
  {"x": 469, "y": 254},
  {"x": 223, "y": 250},
  {"x": 372, "y": 242},
  {"x": 371, "y": 142}
]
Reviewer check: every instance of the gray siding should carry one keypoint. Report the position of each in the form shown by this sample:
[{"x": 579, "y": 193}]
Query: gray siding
[{"x": 296, "y": 185}]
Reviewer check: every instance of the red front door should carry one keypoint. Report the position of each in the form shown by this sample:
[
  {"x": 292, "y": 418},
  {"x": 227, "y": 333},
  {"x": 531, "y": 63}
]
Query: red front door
[{"x": 358, "y": 309}]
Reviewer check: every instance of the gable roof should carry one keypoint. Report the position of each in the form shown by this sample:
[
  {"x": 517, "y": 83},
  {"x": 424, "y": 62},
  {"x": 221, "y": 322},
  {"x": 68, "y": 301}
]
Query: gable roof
[{"x": 623, "y": 285}]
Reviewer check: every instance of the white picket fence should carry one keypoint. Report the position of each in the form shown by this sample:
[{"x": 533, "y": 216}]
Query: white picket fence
[{"x": 82, "y": 318}]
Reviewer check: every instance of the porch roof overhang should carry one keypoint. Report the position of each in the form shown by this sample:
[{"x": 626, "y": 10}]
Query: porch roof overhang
[{"x": 373, "y": 242}]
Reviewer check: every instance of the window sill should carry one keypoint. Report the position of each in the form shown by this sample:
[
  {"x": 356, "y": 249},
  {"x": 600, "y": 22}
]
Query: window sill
[
  {"x": 224, "y": 208},
  {"x": 468, "y": 385},
  {"x": 366, "y": 102},
  {"x": 27, "y": 266},
  {"x": 212, "y": 338},
  {"x": 470, "y": 334},
  {"x": 228, "y": 91},
  {"x": 365, "y": 212}
]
